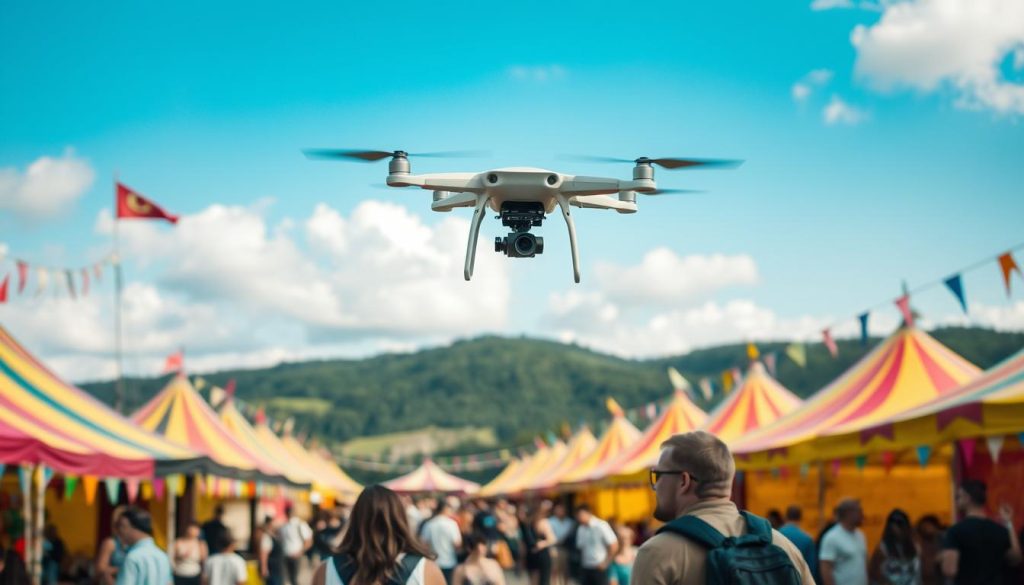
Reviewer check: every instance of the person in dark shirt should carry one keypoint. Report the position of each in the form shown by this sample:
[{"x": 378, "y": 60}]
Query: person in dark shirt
[
  {"x": 213, "y": 529},
  {"x": 976, "y": 550}
]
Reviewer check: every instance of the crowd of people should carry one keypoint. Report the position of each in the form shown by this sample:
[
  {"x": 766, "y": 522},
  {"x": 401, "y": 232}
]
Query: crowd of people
[{"x": 391, "y": 539}]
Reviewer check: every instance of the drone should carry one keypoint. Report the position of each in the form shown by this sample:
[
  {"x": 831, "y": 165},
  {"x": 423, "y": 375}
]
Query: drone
[{"x": 524, "y": 196}]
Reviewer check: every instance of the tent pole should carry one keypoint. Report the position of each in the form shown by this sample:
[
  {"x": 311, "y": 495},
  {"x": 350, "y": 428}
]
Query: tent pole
[
  {"x": 172, "y": 517},
  {"x": 37, "y": 529}
]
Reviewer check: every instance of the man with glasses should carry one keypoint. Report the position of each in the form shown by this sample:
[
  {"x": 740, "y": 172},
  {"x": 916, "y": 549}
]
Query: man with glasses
[{"x": 693, "y": 478}]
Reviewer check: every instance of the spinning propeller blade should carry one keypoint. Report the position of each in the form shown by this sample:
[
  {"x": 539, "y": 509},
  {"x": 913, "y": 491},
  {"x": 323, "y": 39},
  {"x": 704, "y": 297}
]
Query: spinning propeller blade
[
  {"x": 668, "y": 163},
  {"x": 671, "y": 191},
  {"x": 376, "y": 155}
]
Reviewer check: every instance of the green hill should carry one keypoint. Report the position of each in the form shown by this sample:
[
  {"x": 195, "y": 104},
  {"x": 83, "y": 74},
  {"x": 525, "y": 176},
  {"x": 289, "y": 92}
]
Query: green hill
[{"x": 515, "y": 386}]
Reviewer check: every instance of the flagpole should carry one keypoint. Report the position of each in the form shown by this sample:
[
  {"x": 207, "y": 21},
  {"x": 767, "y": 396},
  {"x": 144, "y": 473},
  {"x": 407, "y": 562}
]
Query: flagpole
[{"x": 118, "y": 283}]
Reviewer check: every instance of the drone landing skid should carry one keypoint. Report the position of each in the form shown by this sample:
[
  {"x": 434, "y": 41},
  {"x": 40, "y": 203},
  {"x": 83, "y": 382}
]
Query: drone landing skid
[{"x": 480, "y": 209}]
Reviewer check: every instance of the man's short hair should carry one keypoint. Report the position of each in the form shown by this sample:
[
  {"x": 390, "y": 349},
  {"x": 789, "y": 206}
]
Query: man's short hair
[
  {"x": 138, "y": 519},
  {"x": 224, "y": 539},
  {"x": 794, "y": 513},
  {"x": 706, "y": 458},
  {"x": 976, "y": 490},
  {"x": 583, "y": 508},
  {"x": 845, "y": 506}
]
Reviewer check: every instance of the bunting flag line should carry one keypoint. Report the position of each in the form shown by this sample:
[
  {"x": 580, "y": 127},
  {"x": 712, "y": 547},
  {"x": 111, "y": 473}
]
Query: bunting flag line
[
  {"x": 1008, "y": 266},
  {"x": 955, "y": 285},
  {"x": 752, "y": 352},
  {"x": 826, "y": 335},
  {"x": 864, "y": 328},
  {"x": 705, "y": 388},
  {"x": 798, "y": 353},
  {"x": 903, "y": 304},
  {"x": 70, "y": 482},
  {"x": 995, "y": 445}
]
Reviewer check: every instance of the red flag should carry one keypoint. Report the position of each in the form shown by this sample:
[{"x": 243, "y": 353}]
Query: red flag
[
  {"x": 903, "y": 303},
  {"x": 1008, "y": 265},
  {"x": 229, "y": 388},
  {"x": 175, "y": 362},
  {"x": 131, "y": 205},
  {"x": 830, "y": 343},
  {"x": 261, "y": 416},
  {"x": 22, "y": 275},
  {"x": 3, "y": 288}
]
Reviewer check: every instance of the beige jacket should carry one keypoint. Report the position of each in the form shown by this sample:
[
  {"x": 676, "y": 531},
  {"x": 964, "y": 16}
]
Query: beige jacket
[{"x": 670, "y": 559}]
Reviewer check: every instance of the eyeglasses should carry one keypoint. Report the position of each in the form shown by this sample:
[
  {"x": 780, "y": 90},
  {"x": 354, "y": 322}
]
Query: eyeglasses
[{"x": 656, "y": 474}]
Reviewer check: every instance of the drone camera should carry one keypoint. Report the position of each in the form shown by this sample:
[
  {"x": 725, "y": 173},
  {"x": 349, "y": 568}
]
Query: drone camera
[
  {"x": 521, "y": 216},
  {"x": 519, "y": 245}
]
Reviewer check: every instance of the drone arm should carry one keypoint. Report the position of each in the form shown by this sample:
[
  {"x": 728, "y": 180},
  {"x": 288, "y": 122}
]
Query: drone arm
[
  {"x": 456, "y": 182},
  {"x": 603, "y": 202},
  {"x": 454, "y": 200},
  {"x": 564, "y": 203},
  {"x": 583, "y": 186},
  {"x": 479, "y": 210}
]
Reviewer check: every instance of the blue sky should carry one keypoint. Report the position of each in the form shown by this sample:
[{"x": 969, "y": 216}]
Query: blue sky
[{"x": 907, "y": 176}]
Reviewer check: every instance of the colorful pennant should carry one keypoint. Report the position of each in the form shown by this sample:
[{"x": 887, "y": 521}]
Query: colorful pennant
[
  {"x": 1008, "y": 266},
  {"x": 826, "y": 335},
  {"x": 924, "y": 453},
  {"x": 903, "y": 304},
  {"x": 956, "y": 286},
  {"x": 798, "y": 353},
  {"x": 995, "y": 446},
  {"x": 770, "y": 363},
  {"x": 864, "y": 328}
]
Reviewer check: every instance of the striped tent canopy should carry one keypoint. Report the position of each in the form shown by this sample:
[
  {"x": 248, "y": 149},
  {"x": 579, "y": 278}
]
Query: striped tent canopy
[
  {"x": 180, "y": 415},
  {"x": 301, "y": 464},
  {"x": 620, "y": 435},
  {"x": 522, "y": 470},
  {"x": 580, "y": 445},
  {"x": 990, "y": 405},
  {"x": 542, "y": 461},
  {"x": 903, "y": 372},
  {"x": 236, "y": 423},
  {"x": 758, "y": 402},
  {"x": 324, "y": 469},
  {"x": 430, "y": 478},
  {"x": 46, "y": 420},
  {"x": 681, "y": 415},
  {"x": 507, "y": 475}
]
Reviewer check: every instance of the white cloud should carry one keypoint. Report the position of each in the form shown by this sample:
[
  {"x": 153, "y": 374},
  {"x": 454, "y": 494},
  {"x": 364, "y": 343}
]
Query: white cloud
[
  {"x": 536, "y": 73},
  {"x": 830, "y": 4},
  {"x": 47, "y": 187},
  {"x": 930, "y": 44},
  {"x": 839, "y": 112},
  {"x": 663, "y": 278},
  {"x": 816, "y": 78}
]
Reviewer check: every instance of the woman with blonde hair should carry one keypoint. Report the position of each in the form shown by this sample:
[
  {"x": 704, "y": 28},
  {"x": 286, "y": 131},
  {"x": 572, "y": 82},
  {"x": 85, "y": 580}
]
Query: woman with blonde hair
[{"x": 379, "y": 548}]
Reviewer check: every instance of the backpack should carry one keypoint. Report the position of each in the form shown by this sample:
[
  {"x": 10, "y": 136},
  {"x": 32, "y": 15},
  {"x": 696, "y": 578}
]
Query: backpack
[
  {"x": 750, "y": 559},
  {"x": 346, "y": 568}
]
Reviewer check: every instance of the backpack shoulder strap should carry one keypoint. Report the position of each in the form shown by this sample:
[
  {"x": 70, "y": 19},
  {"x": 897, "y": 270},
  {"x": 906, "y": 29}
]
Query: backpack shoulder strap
[
  {"x": 695, "y": 529},
  {"x": 406, "y": 568},
  {"x": 758, "y": 527},
  {"x": 345, "y": 567}
]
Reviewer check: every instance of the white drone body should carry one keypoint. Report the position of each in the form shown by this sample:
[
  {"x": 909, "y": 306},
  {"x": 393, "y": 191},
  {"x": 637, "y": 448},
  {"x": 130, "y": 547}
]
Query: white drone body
[{"x": 522, "y": 196}]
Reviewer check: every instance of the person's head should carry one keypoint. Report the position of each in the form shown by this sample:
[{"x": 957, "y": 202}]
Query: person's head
[
  {"x": 476, "y": 544},
  {"x": 849, "y": 513},
  {"x": 558, "y": 510},
  {"x": 218, "y": 512},
  {"x": 50, "y": 532},
  {"x": 378, "y": 532},
  {"x": 692, "y": 467},
  {"x": 289, "y": 510},
  {"x": 193, "y": 531},
  {"x": 972, "y": 495},
  {"x": 794, "y": 514},
  {"x": 897, "y": 534},
  {"x": 625, "y": 535},
  {"x": 225, "y": 541},
  {"x": 775, "y": 518},
  {"x": 928, "y": 527},
  {"x": 134, "y": 524},
  {"x": 583, "y": 514}
]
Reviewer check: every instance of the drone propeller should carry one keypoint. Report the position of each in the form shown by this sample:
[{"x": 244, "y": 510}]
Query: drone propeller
[
  {"x": 376, "y": 155},
  {"x": 667, "y": 163},
  {"x": 671, "y": 191}
]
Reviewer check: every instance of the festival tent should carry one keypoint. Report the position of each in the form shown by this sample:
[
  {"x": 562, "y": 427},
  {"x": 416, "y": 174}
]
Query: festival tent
[
  {"x": 514, "y": 476},
  {"x": 236, "y": 423},
  {"x": 44, "y": 420},
  {"x": 580, "y": 445},
  {"x": 430, "y": 478},
  {"x": 507, "y": 475},
  {"x": 680, "y": 415},
  {"x": 325, "y": 470},
  {"x": 906, "y": 370},
  {"x": 182, "y": 416},
  {"x": 619, "y": 435},
  {"x": 758, "y": 402}
]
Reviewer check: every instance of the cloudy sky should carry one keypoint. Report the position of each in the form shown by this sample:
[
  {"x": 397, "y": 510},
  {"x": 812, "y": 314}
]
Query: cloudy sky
[{"x": 883, "y": 144}]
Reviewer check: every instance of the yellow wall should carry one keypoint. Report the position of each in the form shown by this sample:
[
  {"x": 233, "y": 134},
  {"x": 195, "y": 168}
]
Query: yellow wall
[
  {"x": 623, "y": 504},
  {"x": 77, "y": 522},
  {"x": 916, "y": 490}
]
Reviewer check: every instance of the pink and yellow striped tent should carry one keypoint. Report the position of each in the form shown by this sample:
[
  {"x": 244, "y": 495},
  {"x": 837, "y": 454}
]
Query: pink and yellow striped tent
[
  {"x": 430, "y": 478},
  {"x": 905, "y": 371},
  {"x": 619, "y": 436},
  {"x": 580, "y": 445},
  {"x": 180, "y": 415},
  {"x": 244, "y": 433},
  {"x": 325, "y": 471},
  {"x": 679, "y": 416},
  {"x": 46, "y": 420},
  {"x": 758, "y": 402}
]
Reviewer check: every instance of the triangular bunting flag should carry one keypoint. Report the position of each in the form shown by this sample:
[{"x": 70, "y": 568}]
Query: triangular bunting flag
[
  {"x": 770, "y": 363},
  {"x": 42, "y": 279},
  {"x": 199, "y": 383},
  {"x": 22, "y": 275},
  {"x": 89, "y": 484},
  {"x": 3, "y": 288},
  {"x": 888, "y": 459},
  {"x": 200, "y": 484},
  {"x": 752, "y": 352},
  {"x": 3, "y": 467},
  {"x": 146, "y": 489},
  {"x": 97, "y": 271},
  {"x": 967, "y": 450},
  {"x": 70, "y": 278},
  {"x": 864, "y": 328},
  {"x": 798, "y": 353},
  {"x": 47, "y": 474},
  {"x": 995, "y": 445},
  {"x": 903, "y": 304},
  {"x": 924, "y": 453},
  {"x": 727, "y": 381},
  {"x": 70, "y": 482},
  {"x": 805, "y": 470},
  {"x": 159, "y": 486},
  {"x": 113, "y": 489},
  {"x": 85, "y": 281},
  {"x": 860, "y": 461},
  {"x": 677, "y": 380},
  {"x": 705, "y": 388},
  {"x": 1008, "y": 265},
  {"x": 826, "y": 337},
  {"x": 956, "y": 286},
  {"x": 131, "y": 486},
  {"x": 178, "y": 481},
  {"x": 836, "y": 465}
]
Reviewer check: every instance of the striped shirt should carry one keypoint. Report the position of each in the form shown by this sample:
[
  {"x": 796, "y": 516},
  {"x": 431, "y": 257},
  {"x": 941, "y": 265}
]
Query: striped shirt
[{"x": 145, "y": 564}]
